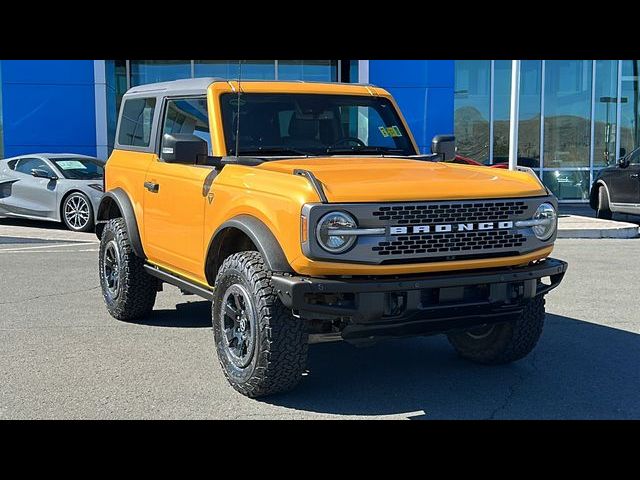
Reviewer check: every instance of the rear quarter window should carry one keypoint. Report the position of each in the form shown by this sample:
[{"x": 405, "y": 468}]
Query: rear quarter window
[
  {"x": 136, "y": 122},
  {"x": 12, "y": 164}
]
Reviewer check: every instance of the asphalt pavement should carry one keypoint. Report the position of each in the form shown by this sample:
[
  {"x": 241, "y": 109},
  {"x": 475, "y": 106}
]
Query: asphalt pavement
[{"x": 62, "y": 356}]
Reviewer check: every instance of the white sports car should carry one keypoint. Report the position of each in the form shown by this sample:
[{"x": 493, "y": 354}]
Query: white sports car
[{"x": 60, "y": 187}]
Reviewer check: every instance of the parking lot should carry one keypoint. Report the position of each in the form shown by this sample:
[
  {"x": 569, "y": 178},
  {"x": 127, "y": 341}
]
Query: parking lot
[{"x": 63, "y": 356}]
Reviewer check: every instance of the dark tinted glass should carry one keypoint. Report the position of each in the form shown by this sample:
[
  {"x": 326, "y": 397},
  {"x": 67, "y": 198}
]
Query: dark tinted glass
[
  {"x": 136, "y": 122},
  {"x": 188, "y": 116},
  {"x": 75, "y": 168},
  {"x": 25, "y": 165},
  {"x": 289, "y": 124}
]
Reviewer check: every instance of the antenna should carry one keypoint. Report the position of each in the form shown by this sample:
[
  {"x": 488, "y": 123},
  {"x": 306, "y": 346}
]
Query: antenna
[{"x": 238, "y": 114}]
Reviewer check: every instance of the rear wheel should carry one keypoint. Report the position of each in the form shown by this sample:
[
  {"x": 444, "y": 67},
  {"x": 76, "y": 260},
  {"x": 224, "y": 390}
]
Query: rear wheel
[
  {"x": 502, "y": 342},
  {"x": 129, "y": 292},
  {"x": 77, "y": 212},
  {"x": 261, "y": 346},
  {"x": 603, "y": 210}
]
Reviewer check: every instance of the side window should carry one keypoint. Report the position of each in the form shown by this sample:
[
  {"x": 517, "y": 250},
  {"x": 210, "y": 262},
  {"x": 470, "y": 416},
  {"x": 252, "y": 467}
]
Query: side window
[
  {"x": 187, "y": 115},
  {"x": 136, "y": 122},
  {"x": 25, "y": 165},
  {"x": 634, "y": 157}
]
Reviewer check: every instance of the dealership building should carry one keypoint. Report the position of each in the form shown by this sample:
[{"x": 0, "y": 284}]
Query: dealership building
[{"x": 575, "y": 116}]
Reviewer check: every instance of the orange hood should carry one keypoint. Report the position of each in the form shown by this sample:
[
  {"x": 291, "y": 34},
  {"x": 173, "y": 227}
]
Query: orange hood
[{"x": 395, "y": 179}]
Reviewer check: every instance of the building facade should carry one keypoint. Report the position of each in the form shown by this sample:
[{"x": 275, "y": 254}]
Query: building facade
[{"x": 576, "y": 116}]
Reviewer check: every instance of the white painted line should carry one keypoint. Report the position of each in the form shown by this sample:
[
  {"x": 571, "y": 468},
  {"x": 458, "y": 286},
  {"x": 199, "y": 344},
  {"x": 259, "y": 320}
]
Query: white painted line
[{"x": 40, "y": 247}]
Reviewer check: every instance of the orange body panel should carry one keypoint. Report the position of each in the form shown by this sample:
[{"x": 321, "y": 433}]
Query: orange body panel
[
  {"x": 128, "y": 170},
  {"x": 177, "y": 224}
]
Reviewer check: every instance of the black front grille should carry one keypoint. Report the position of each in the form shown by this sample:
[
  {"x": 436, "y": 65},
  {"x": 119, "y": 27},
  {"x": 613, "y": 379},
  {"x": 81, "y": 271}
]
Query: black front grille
[
  {"x": 450, "y": 242},
  {"x": 451, "y": 213}
]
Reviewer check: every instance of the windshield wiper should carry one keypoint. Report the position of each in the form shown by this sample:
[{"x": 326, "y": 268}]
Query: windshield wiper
[
  {"x": 364, "y": 149},
  {"x": 273, "y": 150}
]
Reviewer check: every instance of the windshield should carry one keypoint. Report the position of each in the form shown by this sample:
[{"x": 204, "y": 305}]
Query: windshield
[
  {"x": 308, "y": 124},
  {"x": 78, "y": 168}
]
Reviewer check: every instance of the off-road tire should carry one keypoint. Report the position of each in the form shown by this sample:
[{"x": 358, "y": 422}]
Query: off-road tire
[
  {"x": 508, "y": 341},
  {"x": 603, "y": 210},
  {"x": 136, "y": 290},
  {"x": 279, "y": 350}
]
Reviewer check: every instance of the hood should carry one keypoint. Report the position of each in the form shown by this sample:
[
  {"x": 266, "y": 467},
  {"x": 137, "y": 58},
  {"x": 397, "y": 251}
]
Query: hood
[{"x": 349, "y": 179}]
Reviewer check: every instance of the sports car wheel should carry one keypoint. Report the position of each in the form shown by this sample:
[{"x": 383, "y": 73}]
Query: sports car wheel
[{"x": 77, "y": 212}]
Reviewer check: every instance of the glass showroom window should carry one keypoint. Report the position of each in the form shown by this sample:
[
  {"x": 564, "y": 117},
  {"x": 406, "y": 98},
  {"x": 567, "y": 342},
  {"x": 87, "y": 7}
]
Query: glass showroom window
[
  {"x": 472, "y": 108},
  {"x": 529, "y": 113},
  {"x": 567, "y": 113},
  {"x": 567, "y": 127},
  {"x": 604, "y": 115},
  {"x": 629, "y": 115},
  {"x": 312, "y": 70},
  {"x": 251, "y": 69},
  {"x": 501, "y": 109},
  {"x": 152, "y": 71}
]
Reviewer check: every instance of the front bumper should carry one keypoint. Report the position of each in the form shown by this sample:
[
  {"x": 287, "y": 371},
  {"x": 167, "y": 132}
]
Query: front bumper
[{"x": 414, "y": 305}]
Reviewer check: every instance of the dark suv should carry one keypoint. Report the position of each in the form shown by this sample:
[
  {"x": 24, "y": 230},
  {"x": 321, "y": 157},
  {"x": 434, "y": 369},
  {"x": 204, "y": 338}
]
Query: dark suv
[{"x": 617, "y": 188}]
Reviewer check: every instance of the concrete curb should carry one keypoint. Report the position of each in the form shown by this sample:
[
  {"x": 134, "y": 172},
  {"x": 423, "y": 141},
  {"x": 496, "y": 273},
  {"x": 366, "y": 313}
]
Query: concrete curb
[{"x": 576, "y": 226}]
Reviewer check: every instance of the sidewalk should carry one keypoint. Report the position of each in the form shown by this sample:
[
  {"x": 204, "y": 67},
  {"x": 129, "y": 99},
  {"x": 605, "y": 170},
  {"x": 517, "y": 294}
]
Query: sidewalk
[{"x": 578, "y": 220}]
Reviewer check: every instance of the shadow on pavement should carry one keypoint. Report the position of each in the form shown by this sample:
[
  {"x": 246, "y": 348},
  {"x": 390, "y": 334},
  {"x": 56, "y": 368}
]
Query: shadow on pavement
[
  {"x": 185, "y": 315},
  {"x": 19, "y": 222},
  {"x": 579, "y": 370}
]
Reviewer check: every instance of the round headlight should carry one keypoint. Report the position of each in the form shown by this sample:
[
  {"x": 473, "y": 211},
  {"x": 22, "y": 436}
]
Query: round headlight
[
  {"x": 335, "y": 221},
  {"x": 548, "y": 218}
]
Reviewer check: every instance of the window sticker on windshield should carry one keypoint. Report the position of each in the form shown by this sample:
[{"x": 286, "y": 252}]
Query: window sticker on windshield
[
  {"x": 383, "y": 131},
  {"x": 393, "y": 131},
  {"x": 71, "y": 165}
]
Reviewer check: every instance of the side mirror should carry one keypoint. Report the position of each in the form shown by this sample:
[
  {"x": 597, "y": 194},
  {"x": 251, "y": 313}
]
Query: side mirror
[
  {"x": 41, "y": 173},
  {"x": 444, "y": 146},
  {"x": 182, "y": 148},
  {"x": 623, "y": 162}
]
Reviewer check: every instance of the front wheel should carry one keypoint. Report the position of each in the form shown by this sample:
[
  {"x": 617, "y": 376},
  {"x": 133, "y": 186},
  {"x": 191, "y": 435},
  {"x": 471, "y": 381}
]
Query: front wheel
[
  {"x": 129, "y": 292},
  {"x": 502, "y": 342},
  {"x": 261, "y": 346},
  {"x": 77, "y": 212}
]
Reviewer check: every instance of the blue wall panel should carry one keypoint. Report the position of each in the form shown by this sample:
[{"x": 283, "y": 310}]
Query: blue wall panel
[
  {"x": 424, "y": 92},
  {"x": 48, "y": 106}
]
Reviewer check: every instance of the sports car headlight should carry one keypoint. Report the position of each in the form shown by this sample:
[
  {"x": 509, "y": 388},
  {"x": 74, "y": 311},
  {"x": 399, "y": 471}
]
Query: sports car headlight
[
  {"x": 332, "y": 232},
  {"x": 545, "y": 221}
]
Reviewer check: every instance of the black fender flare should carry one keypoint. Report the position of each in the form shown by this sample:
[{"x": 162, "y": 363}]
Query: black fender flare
[
  {"x": 261, "y": 236},
  {"x": 121, "y": 199}
]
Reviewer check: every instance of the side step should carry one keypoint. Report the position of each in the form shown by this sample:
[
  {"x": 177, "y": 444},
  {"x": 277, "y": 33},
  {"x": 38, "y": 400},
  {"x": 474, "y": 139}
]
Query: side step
[{"x": 179, "y": 282}]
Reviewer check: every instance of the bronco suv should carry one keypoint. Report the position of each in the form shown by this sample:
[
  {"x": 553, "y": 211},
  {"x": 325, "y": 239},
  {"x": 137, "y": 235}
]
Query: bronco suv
[{"x": 305, "y": 212}]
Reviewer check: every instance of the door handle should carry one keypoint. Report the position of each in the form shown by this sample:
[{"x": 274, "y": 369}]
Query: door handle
[
  {"x": 152, "y": 187},
  {"x": 634, "y": 175}
]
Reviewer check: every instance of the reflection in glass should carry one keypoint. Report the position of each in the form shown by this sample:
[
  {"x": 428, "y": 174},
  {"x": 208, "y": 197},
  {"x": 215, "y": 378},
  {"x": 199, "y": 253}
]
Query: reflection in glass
[
  {"x": 567, "y": 110},
  {"x": 606, "y": 91},
  {"x": 501, "y": 109},
  {"x": 568, "y": 184},
  {"x": 629, "y": 124},
  {"x": 229, "y": 69},
  {"x": 311, "y": 70},
  {"x": 152, "y": 71},
  {"x": 529, "y": 112},
  {"x": 471, "y": 108}
]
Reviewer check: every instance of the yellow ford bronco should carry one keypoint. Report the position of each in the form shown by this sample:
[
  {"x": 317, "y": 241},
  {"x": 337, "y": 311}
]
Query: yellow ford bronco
[{"x": 305, "y": 212}]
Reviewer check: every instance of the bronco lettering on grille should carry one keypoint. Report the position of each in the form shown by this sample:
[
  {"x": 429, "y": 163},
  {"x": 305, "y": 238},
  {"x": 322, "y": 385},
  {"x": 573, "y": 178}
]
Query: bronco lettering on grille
[{"x": 450, "y": 227}]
